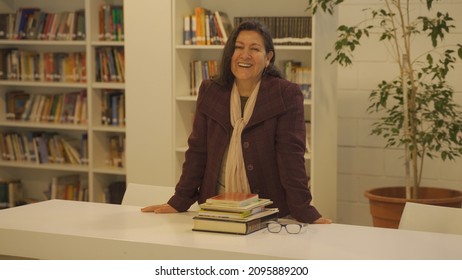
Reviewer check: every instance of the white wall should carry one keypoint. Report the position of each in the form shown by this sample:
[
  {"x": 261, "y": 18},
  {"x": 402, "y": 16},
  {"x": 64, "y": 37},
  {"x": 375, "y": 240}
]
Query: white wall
[
  {"x": 362, "y": 161},
  {"x": 148, "y": 44}
]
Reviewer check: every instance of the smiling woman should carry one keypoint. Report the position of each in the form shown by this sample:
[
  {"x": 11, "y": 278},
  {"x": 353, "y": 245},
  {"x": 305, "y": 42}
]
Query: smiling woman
[
  {"x": 249, "y": 60},
  {"x": 248, "y": 133}
]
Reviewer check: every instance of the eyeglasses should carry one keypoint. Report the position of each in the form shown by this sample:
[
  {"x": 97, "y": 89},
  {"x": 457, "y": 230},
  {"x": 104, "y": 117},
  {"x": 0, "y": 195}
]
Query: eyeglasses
[{"x": 292, "y": 228}]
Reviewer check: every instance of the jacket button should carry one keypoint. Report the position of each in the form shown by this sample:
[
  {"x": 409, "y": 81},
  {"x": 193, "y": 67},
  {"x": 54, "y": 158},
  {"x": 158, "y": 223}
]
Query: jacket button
[
  {"x": 246, "y": 145},
  {"x": 250, "y": 167}
]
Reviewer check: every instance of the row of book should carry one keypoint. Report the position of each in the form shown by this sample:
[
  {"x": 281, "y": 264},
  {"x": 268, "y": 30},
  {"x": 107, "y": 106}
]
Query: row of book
[
  {"x": 285, "y": 30},
  {"x": 113, "y": 107},
  {"x": 43, "y": 147},
  {"x": 31, "y": 23},
  {"x": 201, "y": 70},
  {"x": 69, "y": 187},
  {"x": 27, "y": 65},
  {"x": 301, "y": 75},
  {"x": 205, "y": 27},
  {"x": 236, "y": 213},
  {"x": 293, "y": 71},
  {"x": 70, "y": 107},
  {"x": 11, "y": 193},
  {"x": 111, "y": 22},
  {"x": 110, "y": 64}
]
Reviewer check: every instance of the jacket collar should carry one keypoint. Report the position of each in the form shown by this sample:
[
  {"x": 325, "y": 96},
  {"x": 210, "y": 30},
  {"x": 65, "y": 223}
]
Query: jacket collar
[{"x": 269, "y": 103}]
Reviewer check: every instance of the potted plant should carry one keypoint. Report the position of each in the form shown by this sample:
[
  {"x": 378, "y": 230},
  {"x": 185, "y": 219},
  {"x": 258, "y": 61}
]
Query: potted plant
[{"x": 417, "y": 112}]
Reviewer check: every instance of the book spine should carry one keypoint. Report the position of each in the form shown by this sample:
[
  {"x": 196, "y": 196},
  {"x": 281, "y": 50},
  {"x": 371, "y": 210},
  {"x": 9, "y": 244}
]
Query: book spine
[
  {"x": 187, "y": 30},
  {"x": 258, "y": 224}
]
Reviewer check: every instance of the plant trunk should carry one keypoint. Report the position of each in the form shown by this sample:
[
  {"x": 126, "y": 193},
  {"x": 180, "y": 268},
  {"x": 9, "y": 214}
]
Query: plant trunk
[{"x": 406, "y": 131}]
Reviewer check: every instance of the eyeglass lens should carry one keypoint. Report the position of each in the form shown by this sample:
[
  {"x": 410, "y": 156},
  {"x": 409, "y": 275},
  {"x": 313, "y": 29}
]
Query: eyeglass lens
[{"x": 290, "y": 228}]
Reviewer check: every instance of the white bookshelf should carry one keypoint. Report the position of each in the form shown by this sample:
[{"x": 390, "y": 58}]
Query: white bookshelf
[{"x": 36, "y": 177}]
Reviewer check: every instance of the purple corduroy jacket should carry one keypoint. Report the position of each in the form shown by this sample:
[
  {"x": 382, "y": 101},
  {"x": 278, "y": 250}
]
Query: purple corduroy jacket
[{"x": 273, "y": 146}]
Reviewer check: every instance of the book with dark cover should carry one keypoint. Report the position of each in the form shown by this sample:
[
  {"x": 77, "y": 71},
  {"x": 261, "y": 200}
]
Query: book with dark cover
[
  {"x": 234, "y": 227},
  {"x": 116, "y": 192},
  {"x": 4, "y": 25}
]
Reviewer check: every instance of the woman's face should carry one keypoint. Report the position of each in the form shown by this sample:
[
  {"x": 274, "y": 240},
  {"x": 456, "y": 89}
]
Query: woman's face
[{"x": 250, "y": 57}]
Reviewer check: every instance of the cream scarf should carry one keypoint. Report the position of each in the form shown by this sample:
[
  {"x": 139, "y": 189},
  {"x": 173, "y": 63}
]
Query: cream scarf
[{"x": 235, "y": 175}]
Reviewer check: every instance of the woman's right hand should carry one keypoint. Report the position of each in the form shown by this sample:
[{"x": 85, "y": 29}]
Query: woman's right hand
[{"x": 159, "y": 209}]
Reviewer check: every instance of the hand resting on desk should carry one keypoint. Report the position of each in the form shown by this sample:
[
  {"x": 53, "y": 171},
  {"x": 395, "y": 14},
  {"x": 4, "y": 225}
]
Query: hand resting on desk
[
  {"x": 160, "y": 208},
  {"x": 166, "y": 208}
]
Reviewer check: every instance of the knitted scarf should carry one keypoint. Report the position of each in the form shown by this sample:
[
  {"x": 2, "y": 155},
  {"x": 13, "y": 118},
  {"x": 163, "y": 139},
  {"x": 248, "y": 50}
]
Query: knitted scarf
[{"x": 235, "y": 175}]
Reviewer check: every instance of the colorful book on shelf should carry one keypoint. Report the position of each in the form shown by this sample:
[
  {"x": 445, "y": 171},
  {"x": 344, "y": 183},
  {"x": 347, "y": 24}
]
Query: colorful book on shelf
[
  {"x": 258, "y": 222},
  {"x": 16, "y": 104},
  {"x": 231, "y": 208},
  {"x": 187, "y": 35},
  {"x": 66, "y": 187},
  {"x": 80, "y": 33},
  {"x": 224, "y": 23},
  {"x": 200, "y": 26},
  {"x": 233, "y": 199}
]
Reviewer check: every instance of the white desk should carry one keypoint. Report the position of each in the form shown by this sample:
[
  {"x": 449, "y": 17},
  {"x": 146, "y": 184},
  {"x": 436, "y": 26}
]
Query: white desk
[{"x": 58, "y": 229}]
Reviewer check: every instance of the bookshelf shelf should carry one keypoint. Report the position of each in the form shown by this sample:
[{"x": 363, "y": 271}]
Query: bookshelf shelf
[
  {"x": 43, "y": 125},
  {"x": 41, "y": 43},
  {"x": 46, "y": 166},
  {"x": 37, "y": 177},
  {"x": 220, "y": 47},
  {"x": 102, "y": 85},
  {"x": 292, "y": 48},
  {"x": 109, "y": 128},
  {"x": 43, "y": 84},
  {"x": 109, "y": 170},
  {"x": 199, "y": 47},
  {"x": 187, "y": 98},
  {"x": 107, "y": 43}
]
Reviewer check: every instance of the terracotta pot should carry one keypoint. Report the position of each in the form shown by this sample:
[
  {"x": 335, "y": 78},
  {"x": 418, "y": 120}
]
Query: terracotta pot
[{"x": 387, "y": 203}]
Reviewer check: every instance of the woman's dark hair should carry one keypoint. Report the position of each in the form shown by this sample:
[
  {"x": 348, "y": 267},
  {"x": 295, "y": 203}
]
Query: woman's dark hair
[{"x": 225, "y": 76}]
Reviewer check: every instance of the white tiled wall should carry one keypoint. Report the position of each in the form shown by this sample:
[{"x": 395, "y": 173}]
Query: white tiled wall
[{"x": 363, "y": 163}]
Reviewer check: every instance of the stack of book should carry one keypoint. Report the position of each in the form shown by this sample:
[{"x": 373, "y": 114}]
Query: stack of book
[{"x": 236, "y": 213}]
